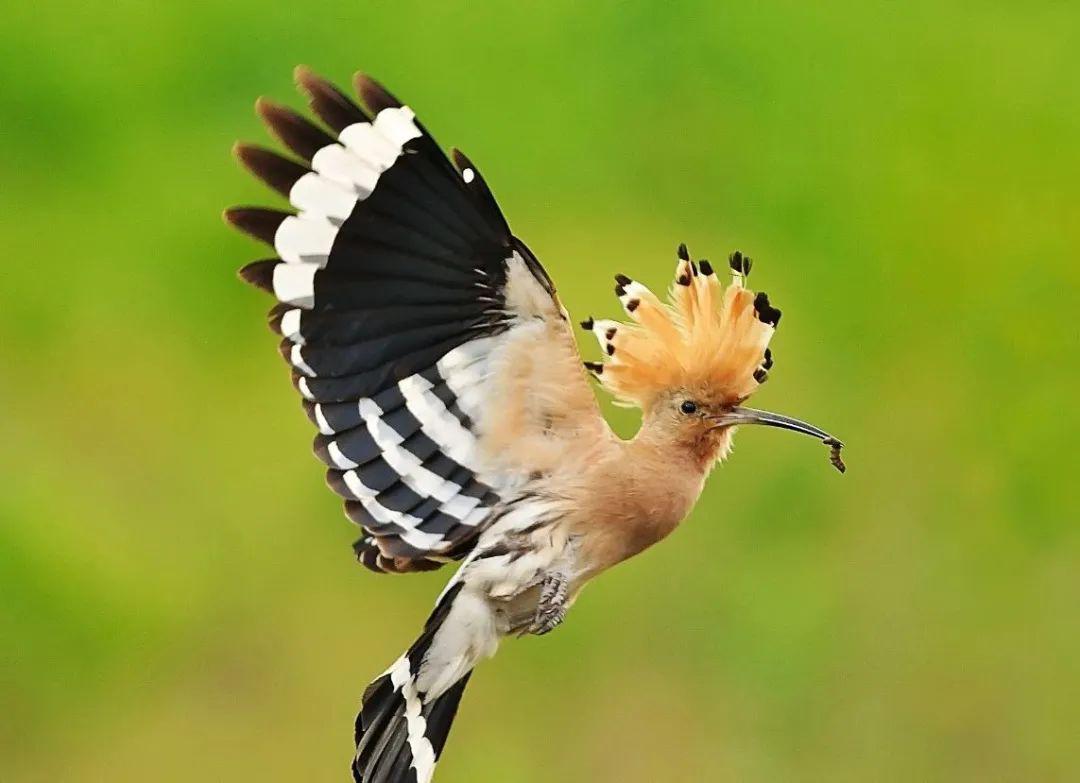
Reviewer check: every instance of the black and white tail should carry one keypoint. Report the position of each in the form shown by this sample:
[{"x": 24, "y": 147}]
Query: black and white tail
[{"x": 401, "y": 731}]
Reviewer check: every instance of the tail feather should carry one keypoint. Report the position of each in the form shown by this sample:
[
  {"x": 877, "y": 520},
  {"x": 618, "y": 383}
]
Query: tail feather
[
  {"x": 404, "y": 768},
  {"x": 383, "y": 709},
  {"x": 400, "y": 732},
  {"x": 440, "y": 714},
  {"x": 375, "y": 759},
  {"x": 393, "y": 758}
]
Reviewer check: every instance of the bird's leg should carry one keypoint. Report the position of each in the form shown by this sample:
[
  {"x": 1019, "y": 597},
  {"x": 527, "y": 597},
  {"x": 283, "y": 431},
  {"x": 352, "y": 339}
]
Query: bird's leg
[{"x": 551, "y": 608}]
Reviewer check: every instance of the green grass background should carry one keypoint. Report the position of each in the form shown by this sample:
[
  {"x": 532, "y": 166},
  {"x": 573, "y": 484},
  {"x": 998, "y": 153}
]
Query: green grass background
[{"x": 178, "y": 600}]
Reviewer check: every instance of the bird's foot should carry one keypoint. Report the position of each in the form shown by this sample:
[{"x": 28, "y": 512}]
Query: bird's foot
[{"x": 551, "y": 609}]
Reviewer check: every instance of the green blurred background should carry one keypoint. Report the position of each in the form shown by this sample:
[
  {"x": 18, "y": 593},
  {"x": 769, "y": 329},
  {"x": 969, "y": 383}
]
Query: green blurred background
[{"x": 178, "y": 599}]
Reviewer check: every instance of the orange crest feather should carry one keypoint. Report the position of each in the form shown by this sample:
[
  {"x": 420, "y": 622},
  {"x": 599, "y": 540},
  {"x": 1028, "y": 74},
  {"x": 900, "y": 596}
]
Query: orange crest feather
[{"x": 707, "y": 338}]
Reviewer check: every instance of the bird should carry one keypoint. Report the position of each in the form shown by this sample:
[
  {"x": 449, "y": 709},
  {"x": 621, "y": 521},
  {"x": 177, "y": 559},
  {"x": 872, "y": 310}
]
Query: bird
[{"x": 455, "y": 415}]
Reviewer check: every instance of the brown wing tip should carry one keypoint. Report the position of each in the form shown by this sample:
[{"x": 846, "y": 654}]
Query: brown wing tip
[
  {"x": 277, "y": 312},
  {"x": 299, "y": 134},
  {"x": 331, "y": 105},
  {"x": 244, "y": 219},
  {"x": 285, "y": 349},
  {"x": 249, "y": 155},
  {"x": 374, "y": 94},
  {"x": 469, "y": 175},
  {"x": 277, "y": 171},
  {"x": 266, "y": 108},
  {"x": 257, "y": 222},
  {"x": 304, "y": 76},
  {"x": 273, "y": 114},
  {"x": 459, "y": 158},
  {"x": 260, "y": 274},
  {"x": 312, "y": 83}
]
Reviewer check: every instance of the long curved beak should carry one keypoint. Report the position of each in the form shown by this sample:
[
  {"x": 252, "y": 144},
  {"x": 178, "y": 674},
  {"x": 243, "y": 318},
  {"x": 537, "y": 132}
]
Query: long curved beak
[{"x": 740, "y": 415}]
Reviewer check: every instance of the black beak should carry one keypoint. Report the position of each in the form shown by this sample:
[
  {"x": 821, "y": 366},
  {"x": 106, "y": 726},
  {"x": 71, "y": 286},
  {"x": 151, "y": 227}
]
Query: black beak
[{"x": 739, "y": 415}]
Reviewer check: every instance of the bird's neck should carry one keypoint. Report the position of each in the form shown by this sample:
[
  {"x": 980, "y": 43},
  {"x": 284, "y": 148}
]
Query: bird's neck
[
  {"x": 648, "y": 487},
  {"x": 669, "y": 471},
  {"x": 695, "y": 451}
]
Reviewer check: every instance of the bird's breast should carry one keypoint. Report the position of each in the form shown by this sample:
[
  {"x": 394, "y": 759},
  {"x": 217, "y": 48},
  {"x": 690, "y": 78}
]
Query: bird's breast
[{"x": 630, "y": 511}]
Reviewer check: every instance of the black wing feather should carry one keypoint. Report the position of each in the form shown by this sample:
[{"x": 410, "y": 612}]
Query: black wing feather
[{"x": 415, "y": 270}]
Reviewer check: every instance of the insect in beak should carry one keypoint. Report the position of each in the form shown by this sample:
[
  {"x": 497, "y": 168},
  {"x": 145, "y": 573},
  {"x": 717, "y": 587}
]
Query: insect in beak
[{"x": 739, "y": 415}]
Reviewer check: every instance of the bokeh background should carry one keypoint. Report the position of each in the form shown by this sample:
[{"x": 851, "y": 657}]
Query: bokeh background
[{"x": 178, "y": 599}]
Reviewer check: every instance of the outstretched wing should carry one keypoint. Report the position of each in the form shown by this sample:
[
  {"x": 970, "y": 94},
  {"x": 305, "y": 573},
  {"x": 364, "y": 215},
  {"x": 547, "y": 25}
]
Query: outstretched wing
[{"x": 426, "y": 340}]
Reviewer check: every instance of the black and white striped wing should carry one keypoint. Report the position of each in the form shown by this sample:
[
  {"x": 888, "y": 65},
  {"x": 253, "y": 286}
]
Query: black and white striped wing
[{"x": 393, "y": 280}]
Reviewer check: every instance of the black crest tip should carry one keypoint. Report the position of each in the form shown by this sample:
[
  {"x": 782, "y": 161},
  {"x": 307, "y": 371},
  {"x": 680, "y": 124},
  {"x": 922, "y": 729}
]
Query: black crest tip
[
  {"x": 587, "y": 324},
  {"x": 632, "y": 305},
  {"x": 594, "y": 367},
  {"x": 682, "y": 252},
  {"x": 740, "y": 263},
  {"x": 622, "y": 280},
  {"x": 765, "y": 312},
  {"x": 706, "y": 267}
]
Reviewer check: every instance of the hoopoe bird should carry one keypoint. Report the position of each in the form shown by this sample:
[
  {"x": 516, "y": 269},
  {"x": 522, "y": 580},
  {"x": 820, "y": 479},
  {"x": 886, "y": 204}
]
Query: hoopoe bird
[{"x": 454, "y": 413}]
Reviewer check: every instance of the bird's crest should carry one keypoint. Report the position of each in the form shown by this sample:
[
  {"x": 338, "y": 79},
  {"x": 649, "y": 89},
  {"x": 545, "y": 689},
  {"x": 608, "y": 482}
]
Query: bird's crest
[{"x": 707, "y": 337}]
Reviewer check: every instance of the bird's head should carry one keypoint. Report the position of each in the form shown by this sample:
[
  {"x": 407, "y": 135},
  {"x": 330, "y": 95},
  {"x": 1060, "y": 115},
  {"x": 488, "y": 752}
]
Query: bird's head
[{"x": 692, "y": 362}]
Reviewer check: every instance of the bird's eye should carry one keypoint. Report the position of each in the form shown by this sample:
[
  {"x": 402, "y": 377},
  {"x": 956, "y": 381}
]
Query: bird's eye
[{"x": 688, "y": 407}]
